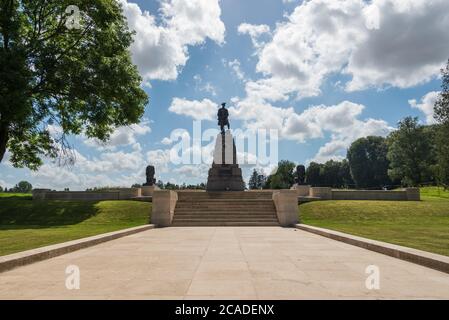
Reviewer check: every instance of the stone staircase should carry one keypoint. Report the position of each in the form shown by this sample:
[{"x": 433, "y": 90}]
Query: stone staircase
[{"x": 225, "y": 209}]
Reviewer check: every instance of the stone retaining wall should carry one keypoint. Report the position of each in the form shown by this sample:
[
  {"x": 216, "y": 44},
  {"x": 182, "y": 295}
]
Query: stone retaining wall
[
  {"x": 408, "y": 194},
  {"x": 113, "y": 194}
]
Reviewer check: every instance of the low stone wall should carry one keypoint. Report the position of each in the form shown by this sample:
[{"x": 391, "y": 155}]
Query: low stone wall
[
  {"x": 322, "y": 193},
  {"x": 116, "y": 194},
  {"x": 408, "y": 194}
]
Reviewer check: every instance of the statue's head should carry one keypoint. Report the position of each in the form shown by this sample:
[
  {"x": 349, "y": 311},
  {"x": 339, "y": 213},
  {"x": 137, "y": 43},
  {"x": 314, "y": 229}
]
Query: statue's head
[{"x": 223, "y": 104}]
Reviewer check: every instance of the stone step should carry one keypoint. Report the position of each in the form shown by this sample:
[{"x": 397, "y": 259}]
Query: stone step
[
  {"x": 224, "y": 210},
  {"x": 226, "y": 219},
  {"x": 224, "y": 195},
  {"x": 227, "y": 201},
  {"x": 212, "y": 208},
  {"x": 229, "y": 213},
  {"x": 224, "y": 224},
  {"x": 227, "y": 216},
  {"x": 224, "y": 207}
]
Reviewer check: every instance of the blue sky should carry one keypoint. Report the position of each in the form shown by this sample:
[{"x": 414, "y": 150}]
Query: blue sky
[{"x": 322, "y": 73}]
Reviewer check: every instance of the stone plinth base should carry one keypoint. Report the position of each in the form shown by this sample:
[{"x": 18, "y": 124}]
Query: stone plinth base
[
  {"x": 226, "y": 177},
  {"x": 147, "y": 191}
]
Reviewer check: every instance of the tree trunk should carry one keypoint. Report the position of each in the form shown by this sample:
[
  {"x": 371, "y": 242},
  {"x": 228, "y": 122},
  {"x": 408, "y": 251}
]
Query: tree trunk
[{"x": 4, "y": 137}]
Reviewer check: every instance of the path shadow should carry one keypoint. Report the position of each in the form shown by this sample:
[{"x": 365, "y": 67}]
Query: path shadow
[{"x": 24, "y": 213}]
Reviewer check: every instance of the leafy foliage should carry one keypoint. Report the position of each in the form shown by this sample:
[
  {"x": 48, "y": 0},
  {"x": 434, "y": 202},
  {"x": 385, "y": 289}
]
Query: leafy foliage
[
  {"x": 368, "y": 162},
  {"x": 256, "y": 181},
  {"x": 411, "y": 153},
  {"x": 335, "y": 174},
  {"x": 442, "y": 116},
  {"x": 80, "y": 79},
  {"x": 23, "y": 187},
  {"x": 283, "y": 178}
]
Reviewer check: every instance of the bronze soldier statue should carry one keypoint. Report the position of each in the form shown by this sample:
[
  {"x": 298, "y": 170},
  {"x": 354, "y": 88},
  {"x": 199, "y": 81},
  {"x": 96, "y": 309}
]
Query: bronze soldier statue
[
  {"x": 223, "y": 118},
  {"x": 150, "y": 176}
]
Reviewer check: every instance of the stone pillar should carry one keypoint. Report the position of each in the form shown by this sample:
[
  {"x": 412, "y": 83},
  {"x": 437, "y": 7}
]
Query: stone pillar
[
  {"x": 164, "y": 203},
  {"x": 301, "y": 190},
  {"x": 323, "y": 193},
  {"x": 413, "y": 194},
  {"x": 286, "y": 203}
]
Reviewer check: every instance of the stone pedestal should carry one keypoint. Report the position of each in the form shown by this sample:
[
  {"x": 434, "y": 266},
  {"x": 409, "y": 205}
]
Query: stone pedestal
[
  {"x": 147, "y": 191},
  {"x": 225, "y": 174},
  {"x": 302, "y": 190}
]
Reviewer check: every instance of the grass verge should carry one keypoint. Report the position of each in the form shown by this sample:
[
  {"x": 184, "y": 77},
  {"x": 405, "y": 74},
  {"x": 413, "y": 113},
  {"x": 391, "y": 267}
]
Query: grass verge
[
  {"x": 421, "y": 225},
  {"x": 26, "y": 224}
]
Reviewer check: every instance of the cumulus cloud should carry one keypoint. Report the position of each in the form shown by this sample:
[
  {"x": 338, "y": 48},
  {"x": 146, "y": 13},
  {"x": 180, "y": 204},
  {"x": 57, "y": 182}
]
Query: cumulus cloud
[
  {"x": 160, "y": 159},
  {"x": 198, "y": 110},
  {"x": 399, "y": 43},
  {"x": 342, "y": 122},
  {"x": 160, "y": 46},
  {"x": 235, "y": 66},
  {"x": 255, "y": 32},
  {"x": 122, "y": 136},
  {"x": 55, "y": 177},
  {"x": 426, "y": 105},
  {"x": 197, "y": 173}
]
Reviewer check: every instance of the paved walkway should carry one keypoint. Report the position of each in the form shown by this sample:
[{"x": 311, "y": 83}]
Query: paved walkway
[{"x": 221, "y": 263}]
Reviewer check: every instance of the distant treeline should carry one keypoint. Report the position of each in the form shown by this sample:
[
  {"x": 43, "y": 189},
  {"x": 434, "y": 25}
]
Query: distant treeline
[{"x": 407, "y": 157}]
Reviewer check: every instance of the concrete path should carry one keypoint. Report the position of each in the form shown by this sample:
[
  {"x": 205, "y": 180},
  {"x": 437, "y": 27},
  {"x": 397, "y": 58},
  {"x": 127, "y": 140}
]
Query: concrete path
[{"x": 223, "y": 263}]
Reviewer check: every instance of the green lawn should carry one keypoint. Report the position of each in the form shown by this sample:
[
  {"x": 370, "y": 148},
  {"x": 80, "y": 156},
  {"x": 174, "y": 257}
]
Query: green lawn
[
  {"x": 17, "y": 195},
  {"x": 27, "y": 224},
  {"x": 422, "y": 225}
]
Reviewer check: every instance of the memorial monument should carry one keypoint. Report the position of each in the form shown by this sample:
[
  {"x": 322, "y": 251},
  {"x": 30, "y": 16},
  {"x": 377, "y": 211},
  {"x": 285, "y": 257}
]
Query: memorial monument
[
  {"x": 150, "y": 185},
  {"x": 225, "y": 174},
  {"x": 301, "y": 188}
]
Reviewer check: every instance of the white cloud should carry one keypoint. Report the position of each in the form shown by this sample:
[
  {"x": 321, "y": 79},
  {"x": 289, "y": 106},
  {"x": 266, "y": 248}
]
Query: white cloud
[
  {"x": 192, "y": 172},
  {"x": 122, "y": 136},
  {"x": 161, "y": 49},
  {"x": 4, "y": 184},
  {"x": 337, "y": 147},
  {"x": 427, "y": 105},
  {"x": 198, "y": 110},
  {"x": 160, "y": 159},
  {"x": 235, "y": 66},
  {"x": 204, "y": 87},
  {"x": 255, "y": 32},
  {"x": 342, "y": 122},
  {"x": 399, "y": 43}
]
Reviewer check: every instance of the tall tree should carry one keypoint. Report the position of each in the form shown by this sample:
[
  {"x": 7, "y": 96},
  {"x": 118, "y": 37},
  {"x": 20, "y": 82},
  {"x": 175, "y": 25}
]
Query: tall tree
[
  {"x": 345, "y": 174},
  {"x": 442, "y": 117},
  {"x": 283, "y": 178},
  {"x": 252, "y": 184},
  {"x": 410, "y": 153},
  {"x": 368, "y": 162},
  {"x": 331, "y": 174},
  {"x": 314, "y": 174},
  {"x": 63, "y": 63},
  {"x": 23, "y": 187}
]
